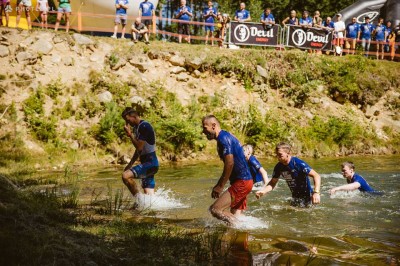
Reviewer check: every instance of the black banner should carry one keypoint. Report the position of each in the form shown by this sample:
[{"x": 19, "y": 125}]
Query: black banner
[
  {"x": 253, "y": 34},
  {"x": 309, "y": 38}
]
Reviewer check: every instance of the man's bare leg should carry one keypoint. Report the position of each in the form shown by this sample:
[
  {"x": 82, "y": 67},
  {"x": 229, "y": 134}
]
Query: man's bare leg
[
  {"x": 149, "y": 191},
  {"x": 128, "y": 179},
  {"x": 218, "y": 209}
]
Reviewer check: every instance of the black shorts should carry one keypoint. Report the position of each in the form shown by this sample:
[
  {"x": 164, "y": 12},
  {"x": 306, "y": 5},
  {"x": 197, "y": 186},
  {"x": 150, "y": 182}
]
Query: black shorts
[
  {"x": 184, "y": 28},
  {"x": 147, "y": 22}
]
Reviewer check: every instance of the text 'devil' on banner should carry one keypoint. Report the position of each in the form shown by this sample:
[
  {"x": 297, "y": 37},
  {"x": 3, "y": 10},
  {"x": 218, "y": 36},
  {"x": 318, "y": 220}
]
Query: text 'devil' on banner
[
  {"x": 254, "y": 34},
  {"x": 309, "y": 38}
]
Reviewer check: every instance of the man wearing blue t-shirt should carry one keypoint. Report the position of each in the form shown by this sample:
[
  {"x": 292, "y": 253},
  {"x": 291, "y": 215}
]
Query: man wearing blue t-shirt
[
  {"x": 210, "y": 14},
  {"x": 296, "y": 173},
  {"x": 184, "y": 13},
  {"x": 242, "y": 15},
  {"x": 364, "y": 35},
  {"x": 146, "y": 9},
  {"x": 260, "y": 176},
  {"x": 306, "y": 20},
  {"x": 380, "y": 37},
  {"x": 121, "y": 17},
  {"x": 235, "y": 170},
  {"x": 388, "y": 32},
  {"x": 352, "y": 30},
  {"x": 144, "y": 140},
  {"x": 354, "y": 181},
  {"x": 267, "y": 19}
]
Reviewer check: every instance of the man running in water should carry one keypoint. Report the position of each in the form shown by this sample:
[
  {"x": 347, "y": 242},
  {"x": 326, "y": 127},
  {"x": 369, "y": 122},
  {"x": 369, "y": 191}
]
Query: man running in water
[
  {"x": 144, "y": 140},
  {"x": 295, "y": 172},
  {"x": 235, "y": 169}
]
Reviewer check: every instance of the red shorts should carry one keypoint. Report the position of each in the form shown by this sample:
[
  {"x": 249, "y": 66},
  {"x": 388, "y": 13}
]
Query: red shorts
[{"x": 239, "y": 190}]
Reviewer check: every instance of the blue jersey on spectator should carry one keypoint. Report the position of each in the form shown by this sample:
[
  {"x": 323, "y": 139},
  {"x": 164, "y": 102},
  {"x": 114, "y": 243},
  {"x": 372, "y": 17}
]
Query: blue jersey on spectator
[
  {"x": 380, "y": 32},
  {"x": 185, "y": 16},
  {"x": 352, "y": 30},
  {"x": 267, "y": 18},
  {"x": 255, "y": 166},
  {"x": 207, "y": 11},
  {"x": 292, "y": 21},
  {"x": 229, "y": 144},
  {"x": 296, "y": 176},
  {"x": 330, "y": 25},
  {"x": 121, "y": 11},
  {"x": 388, "y": 31},
  {"x": 306, "y": 21},
  {"x": 242, "y": 14},
  {"x": 366, "y": 30},
  {"x": 364, "y": 185},
  {"x": 146, "y": 8}
]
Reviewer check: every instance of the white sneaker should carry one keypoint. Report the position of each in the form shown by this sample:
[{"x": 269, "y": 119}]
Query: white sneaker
[
  {"x": 114, "y": 36},
  {"x": 123, "y": 38}
]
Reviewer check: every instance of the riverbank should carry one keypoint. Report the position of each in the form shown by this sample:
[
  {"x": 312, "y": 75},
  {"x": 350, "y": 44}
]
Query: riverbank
[{"x": 62, "y": 95}]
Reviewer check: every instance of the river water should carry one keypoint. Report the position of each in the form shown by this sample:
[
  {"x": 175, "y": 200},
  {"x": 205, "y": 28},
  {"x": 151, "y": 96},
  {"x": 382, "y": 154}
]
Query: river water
[{"x": 346, "y": 229}]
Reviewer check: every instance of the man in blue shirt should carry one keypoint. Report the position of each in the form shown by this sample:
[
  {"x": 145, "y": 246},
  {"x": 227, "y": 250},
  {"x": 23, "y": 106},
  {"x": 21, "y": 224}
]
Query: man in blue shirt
[
  {"x": 242, "y": 15},
  {"x": 146, "y": 9},
  {"x": 260, "y": 176},
  {"x": 235, "y": 170},
  {"x": 121, "y": 17},
  {"x": 354, "y": 181},
  {"x": 306, "y": 20},
  {"x": 267, "y": 19},
  {"x": 144, "y": 140},
  {"x": 352, "y": 30},
  {"x": 296, "y": 173},
  {"x": 364, "y": 34},
  {"x": 388, "y": 32},
  {"x": 380, "y": 37},
  {"x": 184, "y": 13},
  {"x": 210, "y": 14}
]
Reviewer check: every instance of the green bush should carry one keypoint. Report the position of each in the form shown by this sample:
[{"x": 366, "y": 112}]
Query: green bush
[
  {"x": 34, "y": 104},
  {"x": 111, "y": 125},
  {"x": 55, "y": 88},
  {"x": 44, "y": 128}
]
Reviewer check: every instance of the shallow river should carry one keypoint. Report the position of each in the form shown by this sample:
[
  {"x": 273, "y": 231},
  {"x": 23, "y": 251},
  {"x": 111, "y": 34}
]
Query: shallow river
[{"x": 346, "y": 229}]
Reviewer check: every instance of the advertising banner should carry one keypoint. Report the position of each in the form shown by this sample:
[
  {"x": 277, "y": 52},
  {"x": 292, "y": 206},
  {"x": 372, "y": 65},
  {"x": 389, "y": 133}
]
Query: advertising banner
[
  {"x": 254, "y": 34},
  {"x": 309, "y": 38}
]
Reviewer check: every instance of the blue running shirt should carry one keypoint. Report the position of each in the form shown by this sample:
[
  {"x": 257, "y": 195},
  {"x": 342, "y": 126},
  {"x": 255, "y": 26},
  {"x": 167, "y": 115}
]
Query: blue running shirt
[
  {"x": 242, "y": 14},
  {"x": 366, "y": 31},
  {"x": 267, "y": 18},
  {"x": 352, "y": 30},
  {"x": 146, "y": 8},
  {"x": 380, "y": 32},
  {"x": 364, "y": 185},
  {"x": 210, "y": 19},
  {"x": 145, "y": 132},
  {"x": 255, "y": 166},
  {"x": 121, "y": 11},
  {"x": 185, "y": 16}
]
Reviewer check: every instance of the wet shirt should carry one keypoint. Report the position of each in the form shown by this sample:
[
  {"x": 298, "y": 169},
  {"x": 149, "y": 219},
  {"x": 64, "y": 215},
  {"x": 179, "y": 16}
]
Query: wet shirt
[
  {"x": 255, "y": 166},
  {"x": 306, "y": 21},
  {"x": 185, "y": 16},
  {"x": 144, "y": 131},
  {"x": 364, "y": 185},
  {"x": 366, "y": 30},
  {"x": 380, "y": 32},
  {"x": 242, "y": 14},
  {"x": 120, "y": 10},
  {"x": 209, "y": 11},
  {"x": 267, "y": 18},
  {"x": 229, "y": 144},
  {"x": 296, "y": 176},
  {"x": 352, "y": 30},
  {"x": 146, "y": 8}
]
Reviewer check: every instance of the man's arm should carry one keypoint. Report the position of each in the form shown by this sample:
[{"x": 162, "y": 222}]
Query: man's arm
[
  {"x": 347, "y": 187},
  {"x": 189, "y": 13},
  {"x": 271, "y": 185},
  {"x": 264, "y": 175},
  {"x": 228, "y": 166},
  {"x": 317, "y": 187},
  {"x": 133, "y": 160},
  {"x": 139, "y": 144}
]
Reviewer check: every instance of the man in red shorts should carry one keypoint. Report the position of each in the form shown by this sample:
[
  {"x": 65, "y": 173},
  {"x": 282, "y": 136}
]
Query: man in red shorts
[{"x": 235, "y": 169}]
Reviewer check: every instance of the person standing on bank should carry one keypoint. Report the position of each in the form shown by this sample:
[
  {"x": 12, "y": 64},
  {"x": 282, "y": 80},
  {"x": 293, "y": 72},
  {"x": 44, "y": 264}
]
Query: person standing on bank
[
  {"x": 146, "y": 10},
  {"x": 242, "y": 15},
  {"x": 121, "y": 17},
  {"x": 296, "y": 173},
  {"x": 235, "y": 170},
  {"x": 184, "y": 13},
  {"x": 144, "y": 140},
  {"x": 210, "y": 14}
]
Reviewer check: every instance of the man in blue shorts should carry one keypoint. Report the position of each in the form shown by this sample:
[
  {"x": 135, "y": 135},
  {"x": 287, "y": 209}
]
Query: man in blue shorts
[
  {"x": 184, "y": 13},
  {"x": 210, "y": 14},
  {"x": 354, "y": 180},
  {"x": 296, "y": 173},
  {"x": 267, "y": 19},
  {"x": 235, "y": 170},
  {"x": 146, "y": 9},
  {"x": 260, "y": 176},
  {"x": 144, "y": 140},
  {"x": 120, "y": 17},
  {"x": 242, "y": 15},
  {"x": 364, "y": 34},
  {"x": 352, "y": 30}
]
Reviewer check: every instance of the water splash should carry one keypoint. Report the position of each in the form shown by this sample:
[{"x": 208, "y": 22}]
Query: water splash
[
  {"x": 162, "y": 200},
  {"x": 346, "y": 194},
  {"x": 245, "y": 222}
]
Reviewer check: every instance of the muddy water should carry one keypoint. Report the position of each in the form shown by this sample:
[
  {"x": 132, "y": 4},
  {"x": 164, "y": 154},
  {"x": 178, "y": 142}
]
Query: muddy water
[{"x": 347, "y": 229}]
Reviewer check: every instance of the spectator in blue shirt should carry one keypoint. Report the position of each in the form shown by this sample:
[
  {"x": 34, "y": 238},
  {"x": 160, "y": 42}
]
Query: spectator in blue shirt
[
  {"x": 388, "y": 31},
  {"x": 354, "y": 181},
  {"x": 328, "y": 24},
  {"x": 364, "y": 34},
  {"x": 121, "y": 17},
  {"x": 184, "y": 13},
  {"x": 292, "y": 20},
  {"x": 242, "y": 15},
  {"x": 146, "y": 9},
  {"x": 306, "y": 21},
  {"x": 210, "y": 14},
  {"x": 380, "y": 37},
  {"x": 352, "y": 30},
  {"x": 267, "y": 19}
]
